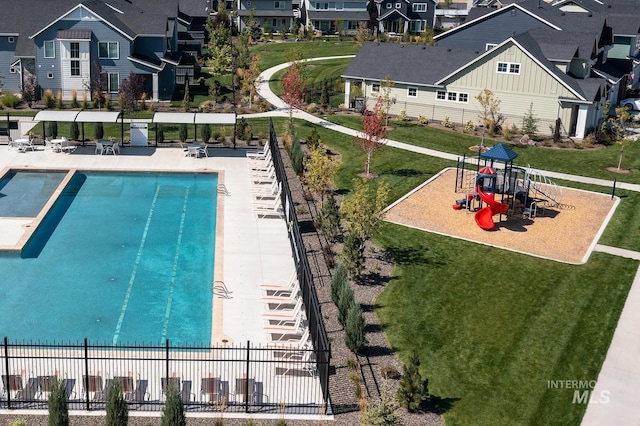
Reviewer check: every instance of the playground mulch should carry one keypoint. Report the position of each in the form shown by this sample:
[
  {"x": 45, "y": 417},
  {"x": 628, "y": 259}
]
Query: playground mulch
[{"x": 566, "y": 233}]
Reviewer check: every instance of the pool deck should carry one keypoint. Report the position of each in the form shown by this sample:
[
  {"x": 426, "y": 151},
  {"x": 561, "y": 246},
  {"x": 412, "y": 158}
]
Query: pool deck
[{"x": 249, "y": 250}]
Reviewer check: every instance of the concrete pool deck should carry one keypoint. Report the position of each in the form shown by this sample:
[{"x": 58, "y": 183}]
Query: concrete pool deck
[{"x": 254, "y": 249}]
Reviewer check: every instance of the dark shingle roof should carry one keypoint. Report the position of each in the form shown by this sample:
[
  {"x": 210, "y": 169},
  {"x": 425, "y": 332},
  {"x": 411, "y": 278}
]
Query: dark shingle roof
[
  {"x": 74, "y": 35},
  {"x": 420, "y": 65}
]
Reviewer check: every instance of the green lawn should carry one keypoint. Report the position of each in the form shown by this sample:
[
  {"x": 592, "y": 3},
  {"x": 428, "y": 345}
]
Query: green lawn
[
  {"x": 492, "y": 327},
  {"x": 275, "y": 53},
  {"x": 316, "y": 72}
]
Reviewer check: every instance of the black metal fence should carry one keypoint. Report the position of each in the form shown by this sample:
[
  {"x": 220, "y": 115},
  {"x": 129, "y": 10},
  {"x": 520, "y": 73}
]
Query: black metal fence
[
  {"x": 317, "y": 330},
  {"x": 249, "y": 379}
]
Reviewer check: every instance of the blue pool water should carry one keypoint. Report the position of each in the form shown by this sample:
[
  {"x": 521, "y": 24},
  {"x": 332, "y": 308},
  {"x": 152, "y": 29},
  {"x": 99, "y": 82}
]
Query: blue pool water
[{"x": 120, "y": 258}]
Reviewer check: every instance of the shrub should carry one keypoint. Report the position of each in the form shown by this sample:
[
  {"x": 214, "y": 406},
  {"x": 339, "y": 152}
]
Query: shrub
[
  {"x": 346, "y": 299},
  {"x": 173, "y": 410},
  {"x": 390, "y": 372},
  {"x": 74, "y": 99},
  {"x": 160, "y": 133},
  {"x": 52, "y": 129},
  {"x": 423, "y": 120},
  {"x": 49, "y": 99},
  {"x": 205, "y": 131},
  {"x": 182, "y": 132},
  {"x": 353, "y": 256},
  {"x": 240, "y": 128},
  {"x": 381, "y": 411},
  {"x": 355, "y": 336},
  {"x": 58, "y": 408},
  {"x": 117, "y": 414},
  {"x": 248, "y": 133},
  {"x": 339, "y": 279},
  {"x": 413, "y": 390},
  {"x": 98, "y": 131},
  {"x": 446, "y": 122},
  {"x": 74, "y": 132},
  {"x": 469, "y": 127},
  {"x": 329, "y": 218},
  {"x": 18, "y": 422},
  {"x": 403, "y": 115},
  {"x": 85, "y": 101},
  {"x": 59, "y": 103},
  {"x": 297, "y": 157},
  {"x": 11, "y": 100},
  {"x": 313, "y": 140}
]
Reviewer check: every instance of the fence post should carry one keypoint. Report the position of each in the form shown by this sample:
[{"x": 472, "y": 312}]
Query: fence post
[
  {"x": 167, "y": 363},
  {"x": 6, "y": 355},
  {"x": 246, "y": 389},
  {"x": 613, "y": 190},
  {"x": 86, "y": 371}
]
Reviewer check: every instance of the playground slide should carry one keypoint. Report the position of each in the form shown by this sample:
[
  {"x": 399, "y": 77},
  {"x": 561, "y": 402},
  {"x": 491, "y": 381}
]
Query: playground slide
[{"x": 484, "y": 216}]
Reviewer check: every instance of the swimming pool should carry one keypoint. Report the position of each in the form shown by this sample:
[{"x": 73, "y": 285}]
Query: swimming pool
[
  {"x": 24, "y": 193},
  {"x": 119, "y": 258}
]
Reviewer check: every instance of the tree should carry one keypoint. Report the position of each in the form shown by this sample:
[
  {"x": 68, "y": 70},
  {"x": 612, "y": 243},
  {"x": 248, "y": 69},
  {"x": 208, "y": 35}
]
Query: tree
[
  {"x": 251, "y": 78},
  {"x": 355, "y": 335},
  {"x": 345, "y": 300},
  {"x": 362, "y": 34},
  {"x": 324, "y": 94},
  {"x": 219, "y": 45},
  {"x": 293, "y": 88},
  {"x": 339, "y": 279},
  {"x": 353, "y": 256},
  {"x": 339, "y": 24},
  {"x": 490, "y": 115},
  {"x": 313, "y": 140},
  {"x": 117, "y": 414},
  {"x": 29, "y": 90},
  {"x": 173, "y": 410},
  {"x": 381, "y": 411},
  {"x": 413, "y": 390},
  {"x": 186, "y": 99},
  {"x": 160, "y": 133},
  {"x": 214, "y": 91},
  {"x": 241, "y": 51},
  {"x": 387, "y": 100},
  {"x": 372, "y": 139},
  {"x": 131, "y": 89},
  {"x": 98, "y": 131},
  {"x": 58, "y": 407},
  {"x": 329, "y": 218},
  {"x": 297, "y": 157},
  {"x": 253, "y": 25},
  {"x": 530, "y": 122},
  {"x": 319, "y": 171},
  {"x": 619, "y": 129}
]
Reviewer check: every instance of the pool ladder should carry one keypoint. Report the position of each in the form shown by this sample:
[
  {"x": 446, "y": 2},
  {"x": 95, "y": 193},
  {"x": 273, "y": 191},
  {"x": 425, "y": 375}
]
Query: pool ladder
[
  {"x": 220, "y": 289},
  {"x": 222, "y": 189}
]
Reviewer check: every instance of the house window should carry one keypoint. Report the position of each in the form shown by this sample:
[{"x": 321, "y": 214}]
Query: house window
[
  {"x": 508, "y": 68},
  {"x": 419, "y": 7},
  {"x": 412, "y": 92},
  {"x": 50, "y": 75},
  {"x": 74, "y": 50},
  {"x": 75, "y": 68},
  {"x": 489, "y": 46},
  {"x": 108, "y": 50},
  {"x": 274, "y": 23},
  {"x": 389, "y": 5},
  {"x": 375, "y": 87},
  {"x": 49, "y": 49},
  {"x": 12, "y": 70},
  {"x": 463, "y": 97},
  {"x": 441, "y": 94},
  {"x": 398, "y": 5},
  {"x": 418, "y": 26},
  {"x": 339, "y": 5},
  {"x": 114, "y": 82},
  {"x": 11, "y": 39},
  {"x": 248, "y": 4},
  {"x": 452, "y": 96},
  {"x": 278, "y": 5}
]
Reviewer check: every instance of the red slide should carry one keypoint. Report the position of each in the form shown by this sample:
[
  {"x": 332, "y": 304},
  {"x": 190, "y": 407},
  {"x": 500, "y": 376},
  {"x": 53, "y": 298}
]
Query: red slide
[{"x": 484, "y": 216}]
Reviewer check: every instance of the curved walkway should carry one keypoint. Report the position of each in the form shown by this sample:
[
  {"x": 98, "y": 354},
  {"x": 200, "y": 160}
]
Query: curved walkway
[{"x": 614, "y": 399}]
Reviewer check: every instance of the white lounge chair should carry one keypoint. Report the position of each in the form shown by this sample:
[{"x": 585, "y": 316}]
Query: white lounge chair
[
  {"x": 99, "y": 148},
  {"x": 273, "y": 209},
  {"x": 260, "y": 154},
  {"x": 113, "y": 148},
  {"x": 283, "y": 311},
  {"x": 296, "y": 368},
  {"x": 276, "y": 289},
  {"x": 67, "y": 146}
]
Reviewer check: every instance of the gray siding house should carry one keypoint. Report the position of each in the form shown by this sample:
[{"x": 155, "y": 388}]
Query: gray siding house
[{"x": 80, "y": 46}]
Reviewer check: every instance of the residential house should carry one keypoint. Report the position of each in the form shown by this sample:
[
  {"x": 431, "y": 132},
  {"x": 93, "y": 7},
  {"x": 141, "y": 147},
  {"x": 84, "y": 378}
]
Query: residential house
[
  {"x": 400, "y": 16},
  {"x": 349, "y": 14},
  {"x": 71, "y": 45},
  {"x": 272, "y": 15},
  {"x": 444, "y": 82}
]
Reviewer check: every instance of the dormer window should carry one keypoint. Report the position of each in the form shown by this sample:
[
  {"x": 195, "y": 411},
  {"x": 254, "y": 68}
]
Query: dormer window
[
  {"x": 389, "y": 5},
  {"x": 398, "y": 5},
  {"x": 11, "y": 39}
]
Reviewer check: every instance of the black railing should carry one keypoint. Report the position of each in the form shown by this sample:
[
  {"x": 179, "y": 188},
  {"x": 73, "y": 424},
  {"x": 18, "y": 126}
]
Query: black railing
[
  {"x": 249, "y": 379},
  {"x": 317, "y": 330}
]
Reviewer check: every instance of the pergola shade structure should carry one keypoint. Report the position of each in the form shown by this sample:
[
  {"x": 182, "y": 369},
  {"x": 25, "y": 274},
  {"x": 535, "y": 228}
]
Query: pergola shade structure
[
  {"x": 196, "y": 118},
  {"x": 81, "y": 117}
]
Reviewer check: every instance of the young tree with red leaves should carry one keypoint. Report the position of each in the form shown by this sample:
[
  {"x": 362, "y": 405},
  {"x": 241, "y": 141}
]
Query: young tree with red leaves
[
  {"x": 293, "y": 88},
  {"x": 372, "y": 139}
]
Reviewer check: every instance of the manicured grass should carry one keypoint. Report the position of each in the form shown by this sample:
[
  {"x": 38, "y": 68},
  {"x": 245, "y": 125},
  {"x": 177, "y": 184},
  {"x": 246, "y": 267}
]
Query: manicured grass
[
  {"x": 316, "y": 72},
  {"x": 492, "y": 327},
  {"x": 276, "y": 53}
]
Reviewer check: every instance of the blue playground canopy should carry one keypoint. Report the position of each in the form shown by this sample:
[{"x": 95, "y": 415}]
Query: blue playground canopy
[{"x": 499, "y": 153}]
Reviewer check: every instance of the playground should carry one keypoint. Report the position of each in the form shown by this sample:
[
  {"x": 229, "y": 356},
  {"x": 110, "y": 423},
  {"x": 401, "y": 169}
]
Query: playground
[{"x": 565, "y": 231}]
